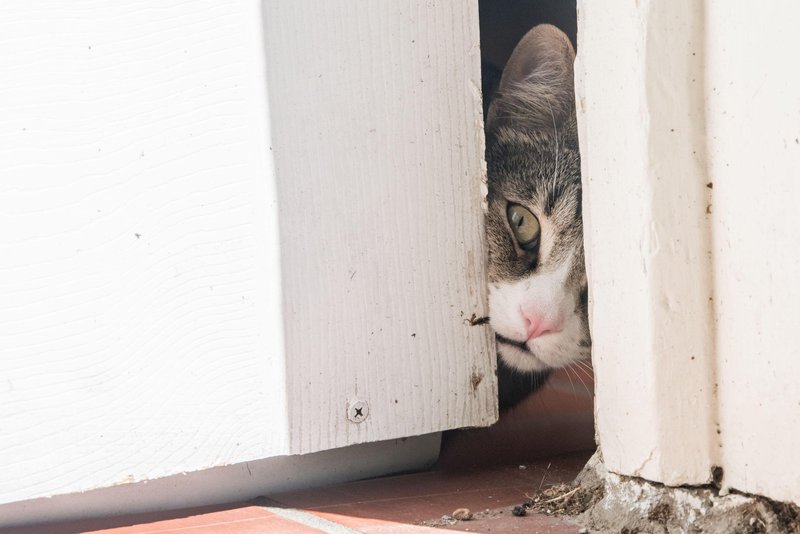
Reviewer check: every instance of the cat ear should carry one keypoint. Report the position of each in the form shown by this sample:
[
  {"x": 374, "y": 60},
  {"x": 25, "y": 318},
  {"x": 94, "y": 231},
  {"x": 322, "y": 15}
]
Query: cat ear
[{"x": 537, "y": 89}]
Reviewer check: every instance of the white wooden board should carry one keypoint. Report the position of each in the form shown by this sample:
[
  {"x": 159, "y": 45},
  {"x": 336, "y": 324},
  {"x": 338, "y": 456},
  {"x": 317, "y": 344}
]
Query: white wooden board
[
  {"x": 754, "y": 143},
  {"x": 379, "y": 178},
  {"x": 184, "y": 185},
  {"x": 690, "y": 137},
  {"x": 647, "y": 238}
]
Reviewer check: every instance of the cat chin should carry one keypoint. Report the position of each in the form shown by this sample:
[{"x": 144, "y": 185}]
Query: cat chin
[
  {"x": 520, "y": 359},
  {"x": 547, "y": 352}
]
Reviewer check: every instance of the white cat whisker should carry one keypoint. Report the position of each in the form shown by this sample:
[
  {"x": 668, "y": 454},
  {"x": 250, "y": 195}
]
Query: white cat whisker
[
  {"x": 586, "y": 372},
  {"x": 589, "y": 373},
  {"x": 578, "y": 376},
  {"x": 566, "y": 371}
]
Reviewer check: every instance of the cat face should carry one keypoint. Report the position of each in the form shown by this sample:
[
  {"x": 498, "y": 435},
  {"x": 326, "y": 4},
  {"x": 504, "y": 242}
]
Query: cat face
[{"x": 538, "y": 287}]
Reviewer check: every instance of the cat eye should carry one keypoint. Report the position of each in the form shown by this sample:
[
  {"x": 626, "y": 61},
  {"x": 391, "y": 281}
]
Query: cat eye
[{"x": 525, "y": 227}]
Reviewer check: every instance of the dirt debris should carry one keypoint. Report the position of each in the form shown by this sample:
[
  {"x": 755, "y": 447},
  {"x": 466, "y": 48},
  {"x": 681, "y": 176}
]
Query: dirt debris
[
  {"x": 632, "y": 505},
  {"x": 448, "y": 520},
  {"x": 567, "y": 499},
  {"x": 520, "y": 511},
  {"x": 563, "y": 499},
  {"x": 604, "y": 503},
  {"x": 462, "y": 514}
]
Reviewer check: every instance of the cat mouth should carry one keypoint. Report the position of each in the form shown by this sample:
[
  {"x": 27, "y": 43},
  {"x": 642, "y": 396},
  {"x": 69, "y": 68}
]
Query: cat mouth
[
  {"x": 518, "y": 355},
  {"x": 521, "y": 345}
]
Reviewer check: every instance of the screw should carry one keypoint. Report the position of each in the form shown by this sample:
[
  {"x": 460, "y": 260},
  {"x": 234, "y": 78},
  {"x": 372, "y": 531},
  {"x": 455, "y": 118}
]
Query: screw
[{"x": 357, "y": 410}]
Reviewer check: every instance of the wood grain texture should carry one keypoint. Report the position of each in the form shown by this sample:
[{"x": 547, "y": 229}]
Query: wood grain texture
[
  {"x": 139, "y": 290},
  {"x": 165, "y": 225},
  {"x": 379, "y": 163}
]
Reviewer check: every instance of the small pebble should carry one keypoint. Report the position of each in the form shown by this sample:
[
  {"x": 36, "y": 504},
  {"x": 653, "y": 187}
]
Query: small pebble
[
  {"x": 519, "y": 511},
  {"x": 462, "y": 514},
  {"x": 583, "y": 531},
  {"x": 523, "y": 467},
  {"x": 447, "y": 518}
]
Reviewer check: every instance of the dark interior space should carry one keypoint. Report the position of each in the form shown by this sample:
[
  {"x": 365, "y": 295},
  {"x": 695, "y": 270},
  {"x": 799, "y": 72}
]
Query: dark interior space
[{"x": 504, "y": 22}]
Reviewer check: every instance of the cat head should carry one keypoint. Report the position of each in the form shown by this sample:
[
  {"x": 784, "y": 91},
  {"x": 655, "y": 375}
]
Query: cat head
[{"x": 537, "y": 279}]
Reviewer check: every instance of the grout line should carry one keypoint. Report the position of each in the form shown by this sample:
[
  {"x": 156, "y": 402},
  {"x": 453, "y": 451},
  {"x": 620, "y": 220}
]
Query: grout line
[{"x": 311, "y": 520}]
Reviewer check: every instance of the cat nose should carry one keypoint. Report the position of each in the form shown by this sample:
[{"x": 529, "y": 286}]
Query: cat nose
[{"x": 536, "y": 325}]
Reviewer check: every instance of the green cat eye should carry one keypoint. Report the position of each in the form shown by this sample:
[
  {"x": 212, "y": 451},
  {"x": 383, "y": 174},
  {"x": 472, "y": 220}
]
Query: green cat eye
[{"x": 524, "y": 225}]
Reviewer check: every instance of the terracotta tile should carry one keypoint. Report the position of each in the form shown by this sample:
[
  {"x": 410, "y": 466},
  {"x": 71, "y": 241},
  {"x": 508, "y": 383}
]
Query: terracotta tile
[
  {"x": 499, "y": 523},
  {"x": 260, "y": 525},
  {"x": 556, "y": 420},
  {"x": 98, "y": 524},
  {"x": 426, "y": 506},
  {"x": 398, "y": 511},
  {"x": 233, "y": 515},
  {"x": 416, "y": 509},
  {"x": 325, "y": 496},
  {"x": 502, "y": 523},
  {"x": 425, "y": 496},
  {"x": 369, "y": 525},
  {"x": 244, "y": 520},
  {"x": 468, "y": 487}
]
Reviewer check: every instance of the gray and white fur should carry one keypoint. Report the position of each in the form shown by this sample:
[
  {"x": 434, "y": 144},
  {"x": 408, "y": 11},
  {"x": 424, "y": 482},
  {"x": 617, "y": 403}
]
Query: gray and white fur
[{"x": 538, "y": 287}]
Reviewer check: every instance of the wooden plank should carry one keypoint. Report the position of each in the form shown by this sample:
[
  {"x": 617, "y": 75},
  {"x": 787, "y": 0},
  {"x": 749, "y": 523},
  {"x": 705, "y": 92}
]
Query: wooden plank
[
  {"x": 375, "y": 109},
  {"x": 647, "y": 238},
  {"x": 155, "y": 316},
  {"x": 140, "y": 320},
  {"x": 690, "y": 136},
  {"x": 754, "y": 147}
]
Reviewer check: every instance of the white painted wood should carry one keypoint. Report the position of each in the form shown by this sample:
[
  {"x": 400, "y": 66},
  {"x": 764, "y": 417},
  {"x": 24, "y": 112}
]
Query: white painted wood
[
  {"x": 646, "y": 237},
  {"x": 140, "y": 321},
  {"x": 379, "y": 163},
  {"x": 689, "y": 133},
  {"x": 184, "y": 185},
  {"x": 753, "y": 93}
]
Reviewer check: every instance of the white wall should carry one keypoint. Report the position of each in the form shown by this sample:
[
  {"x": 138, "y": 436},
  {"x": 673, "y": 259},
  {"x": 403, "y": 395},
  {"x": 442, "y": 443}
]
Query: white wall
[
  {"x": 688, "y": 114},
  {"x": 223, "y": 221},
  {"x": 753, "y": 124}
]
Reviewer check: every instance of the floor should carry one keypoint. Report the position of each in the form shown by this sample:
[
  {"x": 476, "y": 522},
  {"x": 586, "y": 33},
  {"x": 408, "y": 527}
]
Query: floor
[{"x": 544, "y": 441}]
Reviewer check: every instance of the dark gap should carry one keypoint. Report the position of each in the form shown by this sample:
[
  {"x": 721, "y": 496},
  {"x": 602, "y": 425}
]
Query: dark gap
[{"x": 549, "y": 422}]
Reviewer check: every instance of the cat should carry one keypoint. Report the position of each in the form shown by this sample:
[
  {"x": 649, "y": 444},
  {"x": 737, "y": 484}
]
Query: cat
[{"x": 537, "y": 279}]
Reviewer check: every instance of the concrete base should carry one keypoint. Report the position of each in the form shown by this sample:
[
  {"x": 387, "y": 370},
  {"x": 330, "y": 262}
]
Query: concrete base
[
  {"x": 634, "y": 505},
  {"x": 233, "y": 483}
]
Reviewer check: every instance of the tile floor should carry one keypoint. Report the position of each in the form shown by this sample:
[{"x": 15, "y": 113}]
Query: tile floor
[{"x": 544, "y": 441}]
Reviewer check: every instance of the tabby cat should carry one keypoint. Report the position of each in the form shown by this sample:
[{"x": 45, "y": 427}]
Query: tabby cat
[{"x": 538, "y": 287}]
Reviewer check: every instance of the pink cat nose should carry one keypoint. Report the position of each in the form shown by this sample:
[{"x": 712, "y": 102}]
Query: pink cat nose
[{"x": 538, "y": 326}]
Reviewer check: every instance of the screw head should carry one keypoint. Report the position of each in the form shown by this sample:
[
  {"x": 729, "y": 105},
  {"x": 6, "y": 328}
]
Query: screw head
[{"x": 357, "y": 410}]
